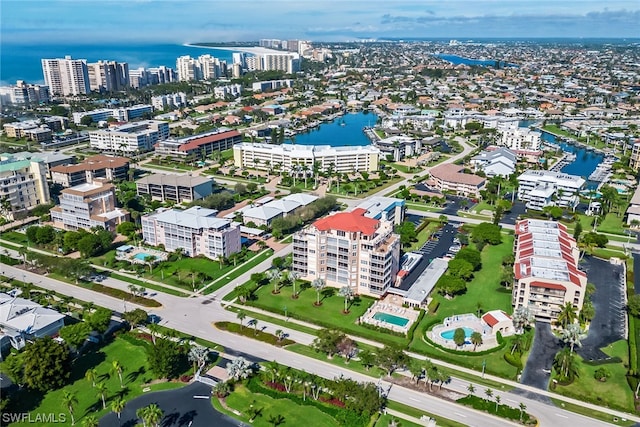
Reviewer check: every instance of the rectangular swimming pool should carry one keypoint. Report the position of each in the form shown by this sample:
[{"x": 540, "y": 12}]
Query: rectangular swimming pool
[{"x": 391, "y": 319}]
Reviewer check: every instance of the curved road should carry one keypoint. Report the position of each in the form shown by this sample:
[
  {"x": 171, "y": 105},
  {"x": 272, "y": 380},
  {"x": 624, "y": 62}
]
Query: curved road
[{"x": 194, "y": 316}]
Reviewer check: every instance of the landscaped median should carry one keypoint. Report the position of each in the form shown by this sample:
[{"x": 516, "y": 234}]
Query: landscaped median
[{"x": 251, "y": 331}]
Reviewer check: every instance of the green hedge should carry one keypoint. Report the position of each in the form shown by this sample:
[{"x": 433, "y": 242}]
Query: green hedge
[
  {"x": 433, "y": 306},
  {"x": 599, "y": 362},
  {"x": 514, "y": 360},
  {"x": 412, "y": 330},
  {"x": 633, "y": 345},
  {"x": 504, "y": 411},
  {"x": 382, "y": 329},
  {"x": 465, "y": 353},
  {"x": 8, "y": 260},
  {"x": 120, "y": 294}
]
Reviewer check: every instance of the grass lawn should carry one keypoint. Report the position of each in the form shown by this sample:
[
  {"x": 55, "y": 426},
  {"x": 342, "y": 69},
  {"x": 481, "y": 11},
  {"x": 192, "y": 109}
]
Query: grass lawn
[
  {"x": 615, "y": 392},
  {"x": 353, "y": 365},
  {"x": 579, "y": 409},
  {"x": 424, "y": 235},
  {"x": 385, "y": 420},
  {"x": 329, "y": 314},
  {"x": 132, "y": 357},
  {"x": 485, "y": 289},
  {"x": 241, "y": 269},
  {"x": 612, "y": 223},
  {"x": 417, "y": 413},
  {"x": 295, "y": 415},
  {"x": 15, "y": 237},
  {"x": 423, "y": 207},
  {"x": 483, "y": 206}
]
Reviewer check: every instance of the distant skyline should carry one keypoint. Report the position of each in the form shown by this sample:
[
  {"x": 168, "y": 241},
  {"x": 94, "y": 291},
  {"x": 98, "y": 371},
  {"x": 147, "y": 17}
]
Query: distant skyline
[{"x": 182, "y": 21}]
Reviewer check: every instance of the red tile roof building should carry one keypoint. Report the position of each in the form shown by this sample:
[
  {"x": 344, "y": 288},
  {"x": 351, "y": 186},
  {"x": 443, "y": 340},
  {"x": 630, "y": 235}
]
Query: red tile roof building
[
  {"x": 546, "y": 269},
  {"x": 349, "y": 249}
]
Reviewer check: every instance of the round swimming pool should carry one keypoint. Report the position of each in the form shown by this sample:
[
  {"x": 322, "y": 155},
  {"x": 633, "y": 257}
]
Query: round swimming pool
[{"x": 448, "y": 335}]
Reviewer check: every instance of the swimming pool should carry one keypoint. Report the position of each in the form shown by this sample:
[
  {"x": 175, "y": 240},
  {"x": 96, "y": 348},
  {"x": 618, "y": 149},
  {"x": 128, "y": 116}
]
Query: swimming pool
[
  {"x": 448, "y": 335},
  {"x": 391, "y": 319},
  {"x": 142, "y": 255}
]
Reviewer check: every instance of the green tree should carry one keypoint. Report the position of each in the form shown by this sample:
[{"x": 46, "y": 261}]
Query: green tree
[
  {"x": 460, "y": 268},
  {"x": 127, "y": 228},
  {"x": 327, "y": 340},
  {"x": 100, "y": 320},
  {"x": 564, "y": 364},
  {"x": 86, "y": 120},
  {"x": 451, "y": 285},
  {"x": 117, "y": 368},
  {"x": 578, "y": 230},
  {"x": 164, "y": 358},
  {"x": 101, "y": 390},
  {"x": 472, "y": 256},
  {"x": 567, "y": 315},
  {"x": 117, "y": 405},
  {"x": 91, "y": 375},
  {"x": 48, "y": 364},
  {"x": 390, "y": 358},
  {"x": 69, "y": 401},
  {"x": 14, "y": 367},
  {"x": 476, "y": 340},
  {"x": 90, "y": 421},
  {"x": 487, "y": 233},
  {"x": 135, "y": 317},
  {"x": 367, "y": 358},
  {"x": 459, "y": 337},
  {"x": 75, "y": 335},
  {"x": 633, "y": 305},
  {"x": 407, "y": 232}
]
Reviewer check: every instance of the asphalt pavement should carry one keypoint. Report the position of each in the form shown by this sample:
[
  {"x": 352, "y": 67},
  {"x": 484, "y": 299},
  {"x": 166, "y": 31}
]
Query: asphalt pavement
[
  {"x": 544, "y": 348},
  {"x": 189, "y": 406}
]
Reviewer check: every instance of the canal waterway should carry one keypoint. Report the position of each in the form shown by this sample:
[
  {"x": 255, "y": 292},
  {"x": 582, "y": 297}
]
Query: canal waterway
[
  {"x": 457, "y": 60},
  {"x": 344, "y": 130}
]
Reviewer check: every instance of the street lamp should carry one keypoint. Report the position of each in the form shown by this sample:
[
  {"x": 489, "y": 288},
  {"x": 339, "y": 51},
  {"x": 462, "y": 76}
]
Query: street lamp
[{"x": 285, "y": 311}]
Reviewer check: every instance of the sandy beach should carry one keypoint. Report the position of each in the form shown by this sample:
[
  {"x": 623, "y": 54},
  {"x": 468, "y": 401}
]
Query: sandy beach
[{"x": 256, "y": 50}]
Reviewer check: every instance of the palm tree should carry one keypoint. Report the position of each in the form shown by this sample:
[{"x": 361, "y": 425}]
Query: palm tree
[
  {"x": 222, "y": 389},
  {"x": 293, "y": 277},
  {"x": 275, "y": 420},
  {"x": 140, "y": 413},
  {"x": 347, "y": 293},
  {"x": 572, "y": 335},
  {"x": 117, "y": 406},
  {"x": 279, "y": 333},
  {"x": 198, "y": 355},
  {"x": 69, "y": 400},
  {"x": 116, "y": 368},
  {"x": 564, "y": 364},
  {"x": 273, "y": 369},
  {"x": 489, "y": 393},
  {"x": 523, "y": 408},
  {"x": 275, "y": 276},
  {"x": 567, "y": 315},
  {"x": 90, "y": 421},
  {"x": 153, "y": 414},
  {"x": 153, "y": 329},
  {"x": 497, "y": 398},
  {"x": 101, "y": 389},
  {"x": 318, "y": 284},
  {"x": 522, "y": 318},
  {"x": 476, "y": 339},
  {"x": 471, "y": 389},
  {"x": 239, "y": 368},
  {"x": 91, "y": 376},
  {"x": 243, "y": 293},
  {"x": 254, "y": 323},
  {"x": 241, "y": 316}
]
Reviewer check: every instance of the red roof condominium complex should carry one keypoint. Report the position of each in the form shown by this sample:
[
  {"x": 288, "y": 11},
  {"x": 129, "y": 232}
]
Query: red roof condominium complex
[
  {"x": 546, "y": 269},
  {"x": 349, "y": 249}
]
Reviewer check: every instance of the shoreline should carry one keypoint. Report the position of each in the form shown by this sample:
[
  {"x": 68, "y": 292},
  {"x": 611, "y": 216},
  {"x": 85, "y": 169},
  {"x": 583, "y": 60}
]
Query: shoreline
[{"x": 255, "y": 50}]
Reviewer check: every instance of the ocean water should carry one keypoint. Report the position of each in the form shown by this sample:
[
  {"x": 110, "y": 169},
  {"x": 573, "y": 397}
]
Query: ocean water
[
  {"x": 22, "y": 62},
  {"x": 345, "y": 130},
  {"x": 457, "y": 60}
]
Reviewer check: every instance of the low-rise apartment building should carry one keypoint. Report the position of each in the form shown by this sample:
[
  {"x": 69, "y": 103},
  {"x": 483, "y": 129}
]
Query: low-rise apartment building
[
  {"x": 285, "y": 157},
  {"x": 451, "y": 178},
  {"x": 23, "y": 185},
  {"x": 546, "y": 269},
  {"x": 174, "y": 188},
  {"x": 496, "y": 162},
  {"x": 540, "y": 188},
  {"x": 349, "y": 249},
  {"x": 112, "y": 168},
  {"x": 130, "y": 138},
  {"x": 196, "y": 231},
  {"x": 88, "y": 205},
  {"x": 124, "y": 114},
  {"x": 384, "y": 208},
  {"x": 199, "y": 146}
]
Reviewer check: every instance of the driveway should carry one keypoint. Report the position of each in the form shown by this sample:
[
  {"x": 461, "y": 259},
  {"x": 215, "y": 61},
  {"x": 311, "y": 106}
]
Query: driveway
[
  {"x": 608, "y": 324},
  {"x": 180, "y": 408},
  {"x": 544, "y": 348}
]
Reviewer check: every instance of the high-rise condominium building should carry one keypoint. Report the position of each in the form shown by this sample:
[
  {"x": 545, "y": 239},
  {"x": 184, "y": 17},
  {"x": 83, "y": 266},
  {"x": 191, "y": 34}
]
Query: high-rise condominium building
[
  {"x": 24, "y": 93},
  {"x": 349, "y": 249},
  {"x": 66, "y": 76},
  {"x": 546, "y": 269},
  {"x": 23, "y": 184},
  {"x": 108, "y": 76},
  {"x": 205, "y": 67}
]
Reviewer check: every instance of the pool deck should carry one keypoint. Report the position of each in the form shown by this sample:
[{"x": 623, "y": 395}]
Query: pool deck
[
  {"x": 131, "y": 255},
  {"x": 464, "y": 320},
  {"x": 391, "y": 304}
]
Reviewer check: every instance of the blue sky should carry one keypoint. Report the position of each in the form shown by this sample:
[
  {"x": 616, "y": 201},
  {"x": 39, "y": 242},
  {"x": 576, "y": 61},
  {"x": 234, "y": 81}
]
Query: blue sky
[{"x": 31, "y": 22}]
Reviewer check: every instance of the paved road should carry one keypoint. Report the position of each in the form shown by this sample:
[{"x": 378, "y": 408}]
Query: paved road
[
  {"x": 190, "y": 315},
  {"x": 182, "y": 407},
  {"x": 545, "y": 346}
]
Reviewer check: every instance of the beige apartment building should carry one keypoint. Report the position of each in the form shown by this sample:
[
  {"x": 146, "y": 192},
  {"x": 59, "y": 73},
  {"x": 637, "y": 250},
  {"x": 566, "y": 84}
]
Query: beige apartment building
[
  {"x": 450, "y": 177},
  {"x": 23, "y": 185},
  {"x": 349, "y": 249},
  {"x": 112, "y": 168},
  {"x": 546, "y": 269},
  {"x": 88, "y": 205}
]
